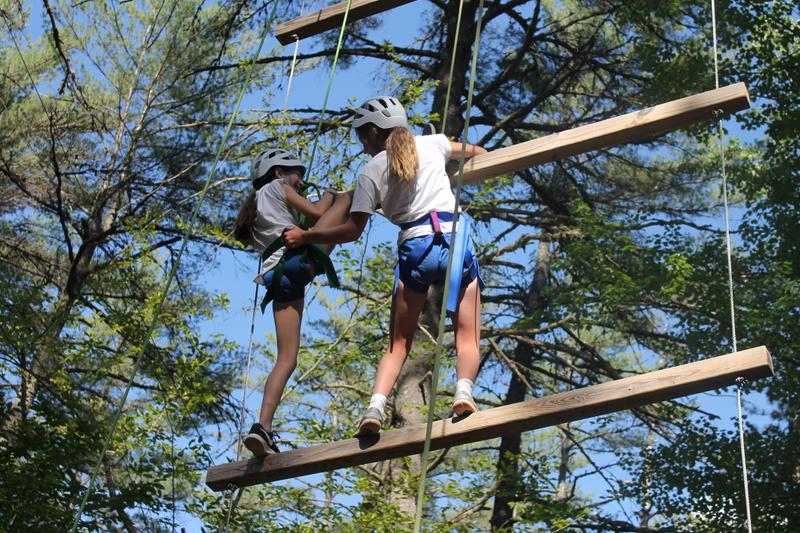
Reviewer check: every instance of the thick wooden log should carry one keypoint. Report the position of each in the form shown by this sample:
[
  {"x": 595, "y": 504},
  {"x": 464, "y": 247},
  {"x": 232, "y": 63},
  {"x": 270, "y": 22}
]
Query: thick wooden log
[
  {"x": 331, "y": 17},
  {"x": 559, "y": 408},
  {"x": 636, "y": 126}
]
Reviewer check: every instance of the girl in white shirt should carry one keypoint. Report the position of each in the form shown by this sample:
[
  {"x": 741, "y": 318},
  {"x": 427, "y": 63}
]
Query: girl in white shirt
[
  {"x": 407, "y": 178},
  {"x": 275, "y": 205}
]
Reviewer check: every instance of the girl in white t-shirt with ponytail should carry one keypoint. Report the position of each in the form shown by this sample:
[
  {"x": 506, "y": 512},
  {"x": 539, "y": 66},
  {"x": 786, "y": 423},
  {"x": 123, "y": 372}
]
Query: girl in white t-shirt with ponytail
[{"x": 406, "y": 177}]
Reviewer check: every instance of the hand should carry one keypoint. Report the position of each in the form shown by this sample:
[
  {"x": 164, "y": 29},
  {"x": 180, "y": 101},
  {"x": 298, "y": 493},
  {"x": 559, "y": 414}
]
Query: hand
[{"x": 294, "y": 237}]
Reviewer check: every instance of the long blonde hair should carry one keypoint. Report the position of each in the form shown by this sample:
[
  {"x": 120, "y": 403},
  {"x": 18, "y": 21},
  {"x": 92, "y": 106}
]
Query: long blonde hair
[{"x": 400, "y": 146}]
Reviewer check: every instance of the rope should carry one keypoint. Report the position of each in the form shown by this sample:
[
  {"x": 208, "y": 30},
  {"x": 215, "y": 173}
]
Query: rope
[
  {"x": 443, "y": 313},
  {"x": 235, "y": 499},
  {"x": 328, "y": 90},
  {"x": 740, "y": 381},
  {"x": 247, "y": 367},
  {"x": 291, "y": 73},
  {"x": 452, "y": 67},
  {"x": 173, "y": 271}
]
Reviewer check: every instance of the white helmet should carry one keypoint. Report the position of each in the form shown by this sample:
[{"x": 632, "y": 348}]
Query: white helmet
[
  {"x": 273, "y": 158},
  {"x": 383, "y": 111}
]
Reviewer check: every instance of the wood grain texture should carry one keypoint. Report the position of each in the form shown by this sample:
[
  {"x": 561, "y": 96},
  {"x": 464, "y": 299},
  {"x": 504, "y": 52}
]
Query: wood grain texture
[
  {"x": 636, "y": 126},
  {"x": 331, "y": 17},
  {"x": 582, "y": 403}
]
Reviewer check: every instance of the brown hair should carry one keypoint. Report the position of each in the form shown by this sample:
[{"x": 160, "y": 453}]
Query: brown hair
[
  {"x": 246, "y": 219},
  {"x": 400, "y": 146}
]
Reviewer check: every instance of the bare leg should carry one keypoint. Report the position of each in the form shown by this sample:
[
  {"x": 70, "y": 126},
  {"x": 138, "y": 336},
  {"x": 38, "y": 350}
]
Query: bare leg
[
  {"x": 288, "y": 316},
  {"x": 335, "y": 215},
  {"x": 467, "y": 321},
  {"x": 406, "y": 307}
]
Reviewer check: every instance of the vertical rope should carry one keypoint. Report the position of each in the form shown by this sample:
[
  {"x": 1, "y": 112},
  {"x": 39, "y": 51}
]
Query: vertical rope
[
  {"x": 328, "y": 90},
  {"x": 443, "y": 314},
  {"x": 721, "y": 134},
  {"x": 247, "y": 368},
  {"x": 235, "y": 499},
  {"x": 452, "y": 67},
  {"x": 291, "y": 74},
  {"x": 740, "y": 382}
]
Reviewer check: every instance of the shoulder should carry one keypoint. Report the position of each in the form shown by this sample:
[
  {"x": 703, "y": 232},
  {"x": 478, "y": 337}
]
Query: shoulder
[
  {"x": 272, "y": 191},
  {"x": 376, "y": 167},
  {"x": 438, "y": 142}
]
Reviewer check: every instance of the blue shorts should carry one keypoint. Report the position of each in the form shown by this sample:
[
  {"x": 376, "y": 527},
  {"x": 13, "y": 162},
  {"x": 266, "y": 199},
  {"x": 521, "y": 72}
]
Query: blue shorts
[
  {"x": 432, "y": 268},
  {"x": 292, "y": 284}
]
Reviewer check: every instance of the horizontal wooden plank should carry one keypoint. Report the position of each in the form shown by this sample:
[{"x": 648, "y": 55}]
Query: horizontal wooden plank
[
  {"x": 564, "y": 407},
  {"x": 635, "y": 126},
  {"x": 331, "y": 17}
]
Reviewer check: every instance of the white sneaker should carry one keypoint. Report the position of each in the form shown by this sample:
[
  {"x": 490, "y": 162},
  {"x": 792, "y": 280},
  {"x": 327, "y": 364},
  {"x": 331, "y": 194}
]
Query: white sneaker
[
  {"x": 463, "y": 404},
  {"x": 370, "y": 423}
]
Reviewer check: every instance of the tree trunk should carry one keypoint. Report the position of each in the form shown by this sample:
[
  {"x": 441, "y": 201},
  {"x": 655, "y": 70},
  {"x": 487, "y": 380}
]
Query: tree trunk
[
  {"x": 412, "y": 392},
  {"x": 510, "y": 446}
]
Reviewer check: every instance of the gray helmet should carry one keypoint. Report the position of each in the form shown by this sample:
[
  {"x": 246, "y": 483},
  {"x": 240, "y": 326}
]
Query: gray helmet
[
  {"x": 273, "y": 158},
  {"x": 383, "y": 111}
]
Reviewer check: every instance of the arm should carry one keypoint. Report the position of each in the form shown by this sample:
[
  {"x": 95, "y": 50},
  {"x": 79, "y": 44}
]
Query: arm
[
  {"x": 350, "y": 230},
  {"x": 471, "y": 151},
  {"x": 309, "y": 209}
]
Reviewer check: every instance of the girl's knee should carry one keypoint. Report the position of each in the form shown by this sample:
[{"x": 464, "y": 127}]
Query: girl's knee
[{"x": 287, "y": 362}]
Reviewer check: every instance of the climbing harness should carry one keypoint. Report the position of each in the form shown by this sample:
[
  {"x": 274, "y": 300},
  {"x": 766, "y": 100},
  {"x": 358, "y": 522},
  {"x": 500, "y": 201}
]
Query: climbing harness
[
  {"x": 438, "y": 238},
  {"x": 313, "y": 254}
]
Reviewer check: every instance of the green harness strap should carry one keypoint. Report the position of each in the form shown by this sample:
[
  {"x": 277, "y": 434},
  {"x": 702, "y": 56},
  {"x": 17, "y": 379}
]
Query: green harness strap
[{"x": 312, "y": 253}]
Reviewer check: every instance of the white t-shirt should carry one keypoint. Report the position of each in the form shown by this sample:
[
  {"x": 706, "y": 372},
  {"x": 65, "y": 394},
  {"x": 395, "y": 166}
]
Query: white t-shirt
[
  {"x": 406, "y": 201},
  {"x": 273, "y": 215}
]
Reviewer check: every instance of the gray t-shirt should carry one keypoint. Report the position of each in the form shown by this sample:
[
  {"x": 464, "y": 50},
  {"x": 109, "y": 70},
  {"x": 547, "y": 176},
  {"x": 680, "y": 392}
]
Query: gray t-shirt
[{"x": 273, "y": 215}]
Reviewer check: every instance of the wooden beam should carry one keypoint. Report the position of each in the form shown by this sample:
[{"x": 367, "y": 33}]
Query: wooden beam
[
  {"x": 559, "y": 408},
  {"x": 331, "y": 17},
  {"x": 636, "y": 126}
]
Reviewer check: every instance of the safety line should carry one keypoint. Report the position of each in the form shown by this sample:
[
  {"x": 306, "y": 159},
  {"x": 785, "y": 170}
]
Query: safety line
[
  {"x": 328, "y": 90},
  {"x": 291, "y": 74},
  {"x": 443, "y": 314},
  {"x": 247, "y": 366},
  {"x": 452, "y": 68},
  {"x": 235, "y": 499},
  {"x": 173, "y": 270},
  {"x": 740, "y": 382}
]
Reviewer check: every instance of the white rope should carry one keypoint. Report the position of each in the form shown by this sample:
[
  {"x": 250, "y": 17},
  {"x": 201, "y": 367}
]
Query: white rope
[
  {"x": 246, "y": 376},
  {"x": 247, "y": 369},
  {"x": 291, "y": 74},
  {"x": 740, "y": 382}
]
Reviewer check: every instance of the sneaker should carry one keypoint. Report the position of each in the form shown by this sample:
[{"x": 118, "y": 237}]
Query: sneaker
[
  {"x": 463, "y": 404},
  {"x": 371, "y": 422},
  {"x": 260, "y": 441}
]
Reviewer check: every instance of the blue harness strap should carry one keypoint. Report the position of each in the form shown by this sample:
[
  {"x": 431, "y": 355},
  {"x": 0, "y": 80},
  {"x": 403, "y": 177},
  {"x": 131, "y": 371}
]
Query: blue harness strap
[{"x": 459, "y": 249}]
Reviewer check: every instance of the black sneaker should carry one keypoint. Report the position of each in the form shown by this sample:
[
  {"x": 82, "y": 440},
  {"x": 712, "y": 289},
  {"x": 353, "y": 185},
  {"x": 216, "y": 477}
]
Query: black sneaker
[{"x": 260, "y": 441}]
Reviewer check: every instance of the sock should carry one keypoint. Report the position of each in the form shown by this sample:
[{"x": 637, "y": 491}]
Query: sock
[
  {"x": 464, "y": 385},
  {"x": 379, "y": 401}
]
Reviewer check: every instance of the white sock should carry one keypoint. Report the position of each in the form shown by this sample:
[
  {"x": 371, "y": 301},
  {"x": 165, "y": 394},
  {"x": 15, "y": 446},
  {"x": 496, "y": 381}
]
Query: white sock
[
  {"x": 378, "y": 401},
  {"x": 464, "y": 385}
]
